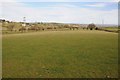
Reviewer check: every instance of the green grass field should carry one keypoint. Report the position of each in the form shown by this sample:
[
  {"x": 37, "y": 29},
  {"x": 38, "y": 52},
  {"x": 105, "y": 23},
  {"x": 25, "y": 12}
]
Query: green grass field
[
  {"x": 111, "y": 28},
  {"x": 60, "y": 54}
]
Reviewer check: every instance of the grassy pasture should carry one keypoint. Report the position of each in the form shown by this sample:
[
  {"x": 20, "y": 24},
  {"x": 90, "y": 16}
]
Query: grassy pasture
[
  {"x": 54, "y": 54},
  {"x": 111, "y": 28}
]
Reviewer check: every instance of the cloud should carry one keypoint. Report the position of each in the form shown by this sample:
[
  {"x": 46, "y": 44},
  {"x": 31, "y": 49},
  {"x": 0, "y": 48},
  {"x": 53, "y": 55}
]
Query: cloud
[
  {"x": 66, "y": 13},
  {"x": 60, "y": 0},
  {"x": 97, "y": 5}
]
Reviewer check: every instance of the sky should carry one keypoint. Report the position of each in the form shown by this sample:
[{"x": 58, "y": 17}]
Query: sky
[{"x": 79, "y": 11}]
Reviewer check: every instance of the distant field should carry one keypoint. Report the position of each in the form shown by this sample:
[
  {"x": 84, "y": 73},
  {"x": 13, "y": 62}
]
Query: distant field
[
  {"x": 60, "y": 54},
  {"x": 111, "y": 28}
]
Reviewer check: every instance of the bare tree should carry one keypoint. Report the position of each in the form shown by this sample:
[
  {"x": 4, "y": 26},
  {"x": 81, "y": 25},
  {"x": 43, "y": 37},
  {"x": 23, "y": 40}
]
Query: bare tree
[
  {"x": 91, "y": 26},
  {"x": 11, "y": 26}
]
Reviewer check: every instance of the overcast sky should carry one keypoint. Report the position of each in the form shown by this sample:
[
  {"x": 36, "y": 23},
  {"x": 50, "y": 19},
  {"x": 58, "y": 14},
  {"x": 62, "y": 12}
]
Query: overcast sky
[{"x": 67, "y": 11}]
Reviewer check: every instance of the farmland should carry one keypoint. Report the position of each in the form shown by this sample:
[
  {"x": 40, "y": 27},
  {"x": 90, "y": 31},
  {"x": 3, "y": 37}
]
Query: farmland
[{"x": 60, "y": 54}]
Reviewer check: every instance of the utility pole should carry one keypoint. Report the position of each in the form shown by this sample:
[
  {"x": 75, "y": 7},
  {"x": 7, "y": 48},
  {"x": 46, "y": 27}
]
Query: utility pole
[
  {"x": 24, "y": 21},
  {"x": 92, "y": 20},
  {"x": 103, "y": 22}
]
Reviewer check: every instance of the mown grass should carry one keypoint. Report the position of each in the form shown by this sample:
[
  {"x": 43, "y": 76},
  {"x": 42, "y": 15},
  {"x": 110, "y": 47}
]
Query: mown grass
[{"x": 60, "y": 54}]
